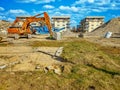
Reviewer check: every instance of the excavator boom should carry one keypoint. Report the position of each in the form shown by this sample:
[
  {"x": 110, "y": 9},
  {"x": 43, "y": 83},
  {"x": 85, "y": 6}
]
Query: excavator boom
[{"x": 25, "y": 29}]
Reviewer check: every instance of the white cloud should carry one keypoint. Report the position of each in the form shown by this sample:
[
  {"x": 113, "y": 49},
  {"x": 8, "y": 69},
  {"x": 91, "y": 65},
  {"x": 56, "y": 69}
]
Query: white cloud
[
  {"x": 44, "y": 1},
  {"x": 35, "y": 1},
  {"x": 91, "y": 1},
  {"x": 73, "y": 8},
  {"x": 48, "y": 6},
  {"x": 96, "y": 10},
  {"x": 83, "y": 1},
  {"x": 12, "y": 13},
  {"x": 96, "y": 2},
  {"x": 10, "y": 19},
  {"x": 64, "y": 7},
  {"x": 2, "y": 9},
  {"x": 57, "y": 13},
  {"x": 73, "y": 22},
  {"x": 97, "y": 5},
  {"x": 2, "y": 17},
  {"x": 79, "y": 2},
  {"x": 17, "y": 11}
]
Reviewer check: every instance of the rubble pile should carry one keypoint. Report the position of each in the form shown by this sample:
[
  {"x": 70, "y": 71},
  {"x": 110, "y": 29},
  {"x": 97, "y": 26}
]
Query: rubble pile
[
  {"x": 111, "y": 26},
  {"x": 4, "y": 25},
  {"x": 68, "y": 33}
]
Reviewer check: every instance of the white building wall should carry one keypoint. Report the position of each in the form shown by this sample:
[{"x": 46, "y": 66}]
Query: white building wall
[
  {"x": 91, "y": 23},
  {"x": 60, "y": 22}
]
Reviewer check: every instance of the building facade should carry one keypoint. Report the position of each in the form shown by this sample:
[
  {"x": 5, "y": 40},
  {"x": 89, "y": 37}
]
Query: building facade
[
  {"x": 90, "y": 23},
  {"x": 60, "y": 22}
]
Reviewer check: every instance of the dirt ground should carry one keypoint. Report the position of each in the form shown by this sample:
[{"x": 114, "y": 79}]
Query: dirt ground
[
  {"x": 19, "y": 56},
  {"x": 26, "y": 58}
]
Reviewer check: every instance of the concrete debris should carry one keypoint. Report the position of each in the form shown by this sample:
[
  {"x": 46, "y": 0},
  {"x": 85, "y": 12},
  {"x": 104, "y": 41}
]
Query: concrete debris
[
  {"x": 57, "y": 35},
  {"x": 68, "y": 33},
  {"x": 108, "y": 34},
  {"x": 3, "y": 29},
  {"x": 57, "y": 69},
  {"x": 111, "y": 26},
  {"x": 13, "y": 63},
  {"x": 37, "y": 67},
  {"x": 4, "y": 25},
  {"x": 3, "y": 66},
  {"x": 59, "y": 51},
  {"x": 9, "y": 64},
  {"x": 61, "y": 35}
]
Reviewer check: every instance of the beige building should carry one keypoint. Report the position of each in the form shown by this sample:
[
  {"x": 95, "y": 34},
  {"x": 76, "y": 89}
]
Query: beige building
[
  {"x": 61, "y": 22},
  {"x": 90, "y": 23}
]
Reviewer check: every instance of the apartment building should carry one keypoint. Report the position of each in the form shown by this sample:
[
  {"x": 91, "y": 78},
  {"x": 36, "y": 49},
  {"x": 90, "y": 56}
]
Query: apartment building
[
  {"x": 61, "y": 22},
  {"x": 90, "y": 23}
]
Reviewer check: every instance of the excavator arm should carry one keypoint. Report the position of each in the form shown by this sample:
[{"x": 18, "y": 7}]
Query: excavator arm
[
  {"x": 25, "y": 29},
  {"x": 44, "y": 19}
]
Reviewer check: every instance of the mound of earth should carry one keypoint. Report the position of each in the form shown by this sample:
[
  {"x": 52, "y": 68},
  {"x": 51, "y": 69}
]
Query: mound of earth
[
  {"x": 111, "y": 26},
  {"x": 4, "y": 25}
]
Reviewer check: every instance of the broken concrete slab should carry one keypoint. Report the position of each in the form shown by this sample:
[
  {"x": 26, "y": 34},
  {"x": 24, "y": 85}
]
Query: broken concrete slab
[
  {"x": 59, "y": 51},
  {"x": 57, "y": 69}
]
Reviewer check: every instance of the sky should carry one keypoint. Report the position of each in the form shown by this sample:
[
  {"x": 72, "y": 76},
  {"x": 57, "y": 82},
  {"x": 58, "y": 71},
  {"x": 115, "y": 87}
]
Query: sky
[{"x": 76, "y": 9}]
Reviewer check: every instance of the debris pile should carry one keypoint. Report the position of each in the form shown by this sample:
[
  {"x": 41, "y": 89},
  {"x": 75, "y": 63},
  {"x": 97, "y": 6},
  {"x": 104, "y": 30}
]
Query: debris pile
[
  {"x": 4, "y": 25},
  {"x": 57, "y": 69},
  {"x": 111, "y": 26},
  {"x": 68, "y": 33},
  {"x": 3, "y": 28}
]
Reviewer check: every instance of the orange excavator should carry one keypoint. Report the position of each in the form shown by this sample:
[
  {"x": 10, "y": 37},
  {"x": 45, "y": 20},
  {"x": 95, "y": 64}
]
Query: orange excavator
[{"x": 24, "y": 29}]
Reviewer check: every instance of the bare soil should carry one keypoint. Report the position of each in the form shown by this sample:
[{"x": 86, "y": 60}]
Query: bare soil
[{"x": 24, "y": 57}]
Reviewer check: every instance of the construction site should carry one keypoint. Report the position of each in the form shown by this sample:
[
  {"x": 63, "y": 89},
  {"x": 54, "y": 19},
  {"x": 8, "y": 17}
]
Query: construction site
[{"x": 35, "y": 55}]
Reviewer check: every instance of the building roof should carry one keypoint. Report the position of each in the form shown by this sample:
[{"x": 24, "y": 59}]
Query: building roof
[
  {"x": 95, "y": 17},
  {"x": 61, "y": 17}
]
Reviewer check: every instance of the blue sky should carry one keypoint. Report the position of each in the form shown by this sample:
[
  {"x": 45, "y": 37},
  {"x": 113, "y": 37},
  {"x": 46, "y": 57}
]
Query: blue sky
[{"x": 76, "y": 9}]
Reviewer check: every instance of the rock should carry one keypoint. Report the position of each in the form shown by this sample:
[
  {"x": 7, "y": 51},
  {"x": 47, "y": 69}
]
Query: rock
[
  {"x": 59, "y": 51},
  {"x": 3, "y": 66},
  {"x": 57, "y": 69},
  {"x": 37, "y": 67},
  {"x": 4, "y": 25}
]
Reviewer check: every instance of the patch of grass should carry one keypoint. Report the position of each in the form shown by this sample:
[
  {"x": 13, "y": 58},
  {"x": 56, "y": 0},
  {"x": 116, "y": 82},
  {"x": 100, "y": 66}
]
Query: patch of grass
[
  {"x": 47, "y": 43},
  {"x": 112, "y": 52},
  {"x": 102, "y": 75}
]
